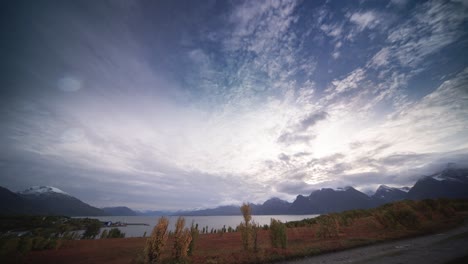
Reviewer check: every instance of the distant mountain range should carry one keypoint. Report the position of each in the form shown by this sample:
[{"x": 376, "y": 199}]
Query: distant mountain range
[
  {"x": 119, "y": 211},
  {"x": 46, "y": 200},
  {"x": 449, "y": 183}
]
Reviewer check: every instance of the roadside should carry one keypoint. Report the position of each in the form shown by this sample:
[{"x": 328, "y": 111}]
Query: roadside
[{"x": 447, "y": 247}]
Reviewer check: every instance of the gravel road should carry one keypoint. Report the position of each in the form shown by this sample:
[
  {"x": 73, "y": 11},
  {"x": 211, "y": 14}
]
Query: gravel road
[{"x": 436, "y": 248}]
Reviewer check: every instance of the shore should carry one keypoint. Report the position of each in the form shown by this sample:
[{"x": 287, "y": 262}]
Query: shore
[{"x": 401, "y": 232}]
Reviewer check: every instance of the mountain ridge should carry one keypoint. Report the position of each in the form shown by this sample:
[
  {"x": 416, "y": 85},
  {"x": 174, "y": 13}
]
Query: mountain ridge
[{"x": 449, "y": 183}]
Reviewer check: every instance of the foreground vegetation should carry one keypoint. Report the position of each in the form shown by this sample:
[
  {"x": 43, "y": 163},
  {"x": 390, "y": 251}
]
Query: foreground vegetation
[
  {"x": 278, "y": 241},
  {"x": 21, "y": 234}
]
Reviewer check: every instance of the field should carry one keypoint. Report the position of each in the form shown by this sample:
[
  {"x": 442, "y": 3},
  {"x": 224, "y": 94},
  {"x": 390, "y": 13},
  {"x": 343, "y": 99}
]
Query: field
[{"x": 328, "y": 233}]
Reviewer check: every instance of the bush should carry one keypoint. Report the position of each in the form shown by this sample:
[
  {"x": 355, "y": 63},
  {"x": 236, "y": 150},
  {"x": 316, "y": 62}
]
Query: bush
[
  {"x": 255, "y": 229},
  {"x": 115, "y": 233},
  {"x": 182, "y": 238},
  {"x": 92, "y": 230},
  {"x": 301, "y": 223},
  {"x": 278, "y": 236},
  {"x": 327, "y": 226},
  {"x": 407, "y": 217},
  {"x": 244, "y": 229},
  {"x": 194, "y": 232},
  {"x": 104, "y": 234},
  {"x": 245, "y": 226},
  {"x": 157, "y": 241},
  {"x": 399, "y": 214},
  {"x": 25, "y": 245}
]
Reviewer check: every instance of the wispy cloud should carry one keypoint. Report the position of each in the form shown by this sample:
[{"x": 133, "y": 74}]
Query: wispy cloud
[
  {"x": 256, "y": 93},
  {"x": 365, "y": 20}
]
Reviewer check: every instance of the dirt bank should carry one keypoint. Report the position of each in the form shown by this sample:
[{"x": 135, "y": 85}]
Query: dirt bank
[{"x": 437, "y": 248}]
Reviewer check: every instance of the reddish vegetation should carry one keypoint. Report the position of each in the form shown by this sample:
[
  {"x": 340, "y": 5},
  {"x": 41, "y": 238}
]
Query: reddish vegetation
[{"x": 227, "y": 247}]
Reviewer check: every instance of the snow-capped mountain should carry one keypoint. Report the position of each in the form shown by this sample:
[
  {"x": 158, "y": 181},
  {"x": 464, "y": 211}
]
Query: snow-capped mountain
[
  {"x": 41, "y": 190},
  {"x": 449, "y": 183},
  {"x": 404, "y": 189},
  {"x": 451, "y": 174},
  {"x": 53, "y": 201},
  {"x": 386, "y": 194}
]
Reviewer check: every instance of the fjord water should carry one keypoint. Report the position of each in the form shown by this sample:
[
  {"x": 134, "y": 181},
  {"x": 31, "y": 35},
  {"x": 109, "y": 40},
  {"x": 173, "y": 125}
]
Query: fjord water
[{"x": 215, "y": 222}]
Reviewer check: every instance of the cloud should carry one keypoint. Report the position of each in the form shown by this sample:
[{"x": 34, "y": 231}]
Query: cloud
[
  {"x": 284, "y": 157},
  {"x": 292, "y": 138},
  {"x": 364, "y": 20},
  {"x": 349, "y": 82},
  {"x": 399, "y": 3},
  {"x": 433, "y": 25},
  {"x": 312, "y": 119},
  {"x": 334, "y": 31},
  {"x": 381, "y": 58},
  {"x": 244, "y": 95}
]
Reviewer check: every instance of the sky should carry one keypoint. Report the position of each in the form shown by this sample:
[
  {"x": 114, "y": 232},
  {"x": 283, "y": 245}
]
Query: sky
[{"x": 169, "y": 105}]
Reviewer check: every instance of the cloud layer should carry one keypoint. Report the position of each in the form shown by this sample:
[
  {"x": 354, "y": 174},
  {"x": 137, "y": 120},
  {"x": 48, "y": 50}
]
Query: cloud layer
[{"x": 183, "y": 105}]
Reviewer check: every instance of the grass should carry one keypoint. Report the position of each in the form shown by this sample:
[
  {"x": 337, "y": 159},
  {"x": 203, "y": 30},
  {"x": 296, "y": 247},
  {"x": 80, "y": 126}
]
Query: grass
[{"x": 345, "y": 230}]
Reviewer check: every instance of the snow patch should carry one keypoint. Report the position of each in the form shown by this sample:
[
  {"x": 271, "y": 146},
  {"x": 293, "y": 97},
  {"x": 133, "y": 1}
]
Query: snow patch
[
  {"x": 342, "y": 189},
  {"x": 404, "y": 189},
  {"x": 37, "y": 190}
]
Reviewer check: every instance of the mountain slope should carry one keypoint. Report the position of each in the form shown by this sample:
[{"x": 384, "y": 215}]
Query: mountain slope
[
  {"x": 52, "y": 201},
  {"x": 330, "y": 200},
  {"x": 13, "y": 204},
  {"x": 271, "y": 207},
  {"x": 119, "y": 211},
  {"x": 450, "y": 183},
  {"x": 386, "y": 194}
]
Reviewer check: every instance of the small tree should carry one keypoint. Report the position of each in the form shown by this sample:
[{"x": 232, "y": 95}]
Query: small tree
[
  {"x": 194, "y": 232},
  {"x": 255, "y": 229},
  {"x": 278, "y": 236},
  {"x": 157, "y": 241},
  {"x": 245, "y": 226},
  {"x": 115, "y": 233},
  {"x": 182, "y": 238},
  {"x": 92, "y": 230},
  {"x": 104, "y": 234},
  {"x": 246, "y": 212}
]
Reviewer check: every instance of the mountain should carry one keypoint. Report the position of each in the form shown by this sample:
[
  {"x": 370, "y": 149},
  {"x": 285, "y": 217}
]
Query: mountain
[
  {"x": 449, "y": 183},
  {"x": 221, "y": 210},
  {"x": 155, "y": 213},
  {"x": 119, "y": 211},
  {"x": 330, "y": 200},
  {"x": 53, "y": 201},
  {"x": 13, "y": 204},
  {"x": 271, "y": 207},
  {"x": 386, "y": 194}
]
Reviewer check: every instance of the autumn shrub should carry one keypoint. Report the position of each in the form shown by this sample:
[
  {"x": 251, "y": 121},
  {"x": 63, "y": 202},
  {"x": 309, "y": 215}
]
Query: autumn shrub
[
  {"x": 255, "y": 229},
  {"x": 407, "y": 217},
  {"x": 302, "y": 223},
  {"x": 194, "y": 232},
  {"x": 245, "y": 227},
  {"x": 278, "y": 235},
  {"x": 92, "y": 230},
  {"x": 426, "y": 208},
  {"x": 156, "y": 242},
  {"x": 327, "y": 226},
  {"x": 115, "y": 233},
  {"x": 104, "y": 234},
  {"x": 25, "y": 245},
  {"x": 182, "y": 238},
  {"x": 398, "y": 215}
]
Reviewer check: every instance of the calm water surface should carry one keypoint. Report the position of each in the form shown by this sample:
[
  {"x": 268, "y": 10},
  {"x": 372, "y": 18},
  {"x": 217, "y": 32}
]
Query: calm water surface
[{"x": 216, "y": 222}]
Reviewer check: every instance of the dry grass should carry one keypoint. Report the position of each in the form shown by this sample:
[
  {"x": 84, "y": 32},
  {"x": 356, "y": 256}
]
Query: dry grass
[{"x": 228, "y": 248}]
